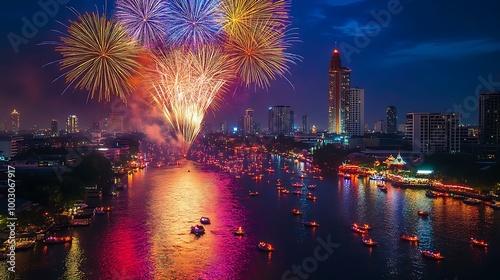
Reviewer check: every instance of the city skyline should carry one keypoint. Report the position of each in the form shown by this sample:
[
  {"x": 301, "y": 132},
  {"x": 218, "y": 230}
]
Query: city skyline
[{"x": 451, "y": 51}]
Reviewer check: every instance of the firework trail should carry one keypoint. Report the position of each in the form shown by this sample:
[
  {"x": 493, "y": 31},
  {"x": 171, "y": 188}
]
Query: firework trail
[
  {"x": 194, "y": 22},
  {"x": 186, "y": 82},
  {"x": 144, "y": 20},
  {"x": 99, "y": 56}
]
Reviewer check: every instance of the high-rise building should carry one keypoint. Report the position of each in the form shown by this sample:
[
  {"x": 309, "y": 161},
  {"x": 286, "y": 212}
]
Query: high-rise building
[
  {"x": 54, "y": 127},
  {"x": 339, "y": 83},
  {"x": 280, "y": 120},
  {"x": 248, "y": 124},
  {"x": 392, "y": 119},
  {"x": 489, "y": 118},
  {"x": 72, "y": 124},
  {"x": 306, "y": 124},
  {"x": 115, "y": 124},
  {"x": 96, "y": 127},
  {"x": 367, "y": 128},
  {"x": 432, "y": 133},
  {"x": 356, "y": 119},
  {"x": 14, "y": 121},
  {"x": 379, "y": 126}
]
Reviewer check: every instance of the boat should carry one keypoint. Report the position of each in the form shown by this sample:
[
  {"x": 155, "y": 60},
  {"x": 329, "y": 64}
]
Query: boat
[
  {"x": 280, "y": 188},
  {"x": 297, "y": 192},
  {"x": 270, "y": 170},
  {"x": 296, "y": 212},
  {"x": 480, "y": 243},
  {"x": 472, "y": 201},
  {"x": 311, "y": 187},
  {"x": 347, "y": 176},
  {"x": 376, "y": 177},
  {"x": 432, "y": 255},
  {"x": 239, "y": 232},
  {"x": 57, "y": 239},
  {"x": 363, "y": 226},
  {"x": 278, "y": 182},
  {"x": 250, "y": 193},
  {"x": 297, "y": 185},
  {"x": 411, "y": 238},
  {"x": 197, "y": 229},
  {"x": 266, "y": 247},
  {"x": 204, "y": 220},
  {"x": 311, "y": 197},
  {"x": 369, "y": 242},
  {"x": 80, "y": 222},
  {"x": 285, "y": 191},
  {"x": 310, "y": 224},
  {"x": 423, "y": 213},
  {"x": 318, "y": 177},
  {"x": 358, "y": 230},
  {"x": 113, "y": 193}
]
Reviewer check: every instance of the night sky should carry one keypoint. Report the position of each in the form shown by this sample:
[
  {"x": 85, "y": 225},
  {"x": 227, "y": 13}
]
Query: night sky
[{"x": 427, "y": 57}]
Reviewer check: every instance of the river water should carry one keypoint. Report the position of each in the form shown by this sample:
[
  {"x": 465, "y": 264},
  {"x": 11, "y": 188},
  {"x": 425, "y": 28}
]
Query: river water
[{"x": 147, "y": 234}]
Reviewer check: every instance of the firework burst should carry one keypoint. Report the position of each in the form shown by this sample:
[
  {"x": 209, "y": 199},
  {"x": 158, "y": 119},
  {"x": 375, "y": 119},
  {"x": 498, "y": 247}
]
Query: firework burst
[
  {"x": 261, "y": 55},
  {"x": 144, "y": 20},
  {"x": 185, "y": 84},
  {"x": 193, "y": 22},
  {"x": 99, "y": 56}
]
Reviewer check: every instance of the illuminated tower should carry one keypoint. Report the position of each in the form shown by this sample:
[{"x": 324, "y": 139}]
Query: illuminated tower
[
  {"x": 339, "y": 83},
  {"x": 54, "y": 127},
  {"x": 248, "y": 122},
  {"x": 356, "y": 120},
  {"x": 14, "y": 121},
  {"x": 489, "y": 118}
]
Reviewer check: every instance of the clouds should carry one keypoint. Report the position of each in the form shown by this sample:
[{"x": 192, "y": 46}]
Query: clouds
[
  {"x": 341, "y": 2},
  {"x": 439, "y": 50}
]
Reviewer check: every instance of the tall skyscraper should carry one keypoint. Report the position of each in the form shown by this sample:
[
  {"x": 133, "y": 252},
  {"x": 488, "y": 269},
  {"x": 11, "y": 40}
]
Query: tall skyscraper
[
  {"x": 96, "y": 127},
  {"x": 356, "y": 119},
  {"x": 392, "y": 119},
  {"x": 433, "y": 133},
  {"x": 489, "y": 118},
  {"x": 248, "y": 125},
  {"x": 379, "y": 126},
  {"x": 14, "y": 121},
  {"x": 54, "y": 127},
  {"x": 72, "y": 124},
  {"x": 280, "y": 120},
  {"x": 306, "y": 124},
  {"x": 115, "y": 124},
  {"x": 339, "y": 83}
]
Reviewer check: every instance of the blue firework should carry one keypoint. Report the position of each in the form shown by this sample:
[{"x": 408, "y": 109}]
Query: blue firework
[
  {"x": 193, "y": 22},
  {"x": 144, "y": 20}
]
